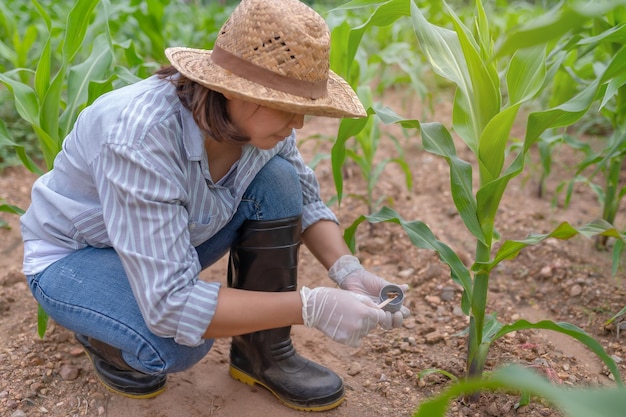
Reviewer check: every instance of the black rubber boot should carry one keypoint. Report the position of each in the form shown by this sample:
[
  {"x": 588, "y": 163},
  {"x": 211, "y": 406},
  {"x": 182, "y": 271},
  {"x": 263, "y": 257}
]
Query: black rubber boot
[
  {"x": 265, "y": 258},
  {"x": 116, "y": 375}
]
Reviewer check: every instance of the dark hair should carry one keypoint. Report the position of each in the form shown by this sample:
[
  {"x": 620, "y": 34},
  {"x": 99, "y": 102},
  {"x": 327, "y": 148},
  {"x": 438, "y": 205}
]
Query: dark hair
[{"x": 207, "y": 106}]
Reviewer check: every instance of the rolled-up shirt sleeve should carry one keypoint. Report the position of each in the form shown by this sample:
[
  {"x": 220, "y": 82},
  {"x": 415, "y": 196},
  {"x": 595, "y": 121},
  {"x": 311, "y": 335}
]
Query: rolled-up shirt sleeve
[
  {"x": 314, "y": 209},
  {"x": 143, "y": 200}
]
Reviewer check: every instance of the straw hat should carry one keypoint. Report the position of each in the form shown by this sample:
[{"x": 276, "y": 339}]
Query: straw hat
[{"x": 274, "y": 53}]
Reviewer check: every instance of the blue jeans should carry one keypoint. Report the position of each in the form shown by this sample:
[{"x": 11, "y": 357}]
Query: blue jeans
[{"x": 87, "y": 291}]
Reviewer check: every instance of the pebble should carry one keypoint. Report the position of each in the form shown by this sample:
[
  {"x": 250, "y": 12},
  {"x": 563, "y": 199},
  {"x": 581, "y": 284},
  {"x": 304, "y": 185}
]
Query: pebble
[
  {"x": 458, "y": 311},
  {"x": 409, "y": 324},
  {"x": 406, "y": 273},
  {"x": 447, "y": 293},
  {"x": 76, "y": 351},
  {"x": 434, "y": 337},
  {"x": 493, "y": 409},
  {"x": 432, "y": 271},
  {"x": 18, "y": 413},
  {"x": 68, "y": 372},
  {"x": 546, "y": 271},
  {"x": 354, "y": 369},
  {"x": 433, "y": 300},
  {"x": 576, "y": 290}
]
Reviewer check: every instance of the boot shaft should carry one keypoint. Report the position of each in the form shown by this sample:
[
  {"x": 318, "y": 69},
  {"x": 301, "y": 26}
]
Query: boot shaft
[{"x": 265, "y": 257}]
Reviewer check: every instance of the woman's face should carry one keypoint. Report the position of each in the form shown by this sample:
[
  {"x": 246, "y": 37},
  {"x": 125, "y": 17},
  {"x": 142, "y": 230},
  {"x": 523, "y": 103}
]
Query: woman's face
[{"x": 264, "y": 126}]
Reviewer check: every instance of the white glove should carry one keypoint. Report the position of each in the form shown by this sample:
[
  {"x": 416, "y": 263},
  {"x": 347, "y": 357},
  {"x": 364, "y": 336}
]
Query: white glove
[
  {"x": 350, "y": 275},
  {"x": 344, "y": 316}
]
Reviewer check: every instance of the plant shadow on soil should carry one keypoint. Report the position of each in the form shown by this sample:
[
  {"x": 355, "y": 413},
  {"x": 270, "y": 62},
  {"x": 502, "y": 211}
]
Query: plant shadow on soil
[{"x": 559, "y": 280}]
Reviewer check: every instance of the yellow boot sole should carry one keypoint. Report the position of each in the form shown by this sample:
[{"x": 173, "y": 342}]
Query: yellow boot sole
[{"x": 249, "y": 380}]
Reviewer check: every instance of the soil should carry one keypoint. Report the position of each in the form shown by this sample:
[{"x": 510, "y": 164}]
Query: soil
[{"x": 559, "y": 280}]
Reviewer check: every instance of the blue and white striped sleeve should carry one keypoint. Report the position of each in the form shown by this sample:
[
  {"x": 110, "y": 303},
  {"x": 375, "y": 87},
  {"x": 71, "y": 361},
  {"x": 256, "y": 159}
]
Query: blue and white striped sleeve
[
  {"x": 314, "y": 209},
  {"x": 142, "y": 194}
]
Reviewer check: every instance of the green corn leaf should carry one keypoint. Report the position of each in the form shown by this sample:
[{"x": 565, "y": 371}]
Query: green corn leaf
[
  {"x": 492, "y": 189},
  {"x": 613, "y": 150},
  {"x": 385, "y": 14},
  {"x": 511, "y": 248},
  {"x": 462, "y": 120},
  {"x": 347, "y": 129},
  {"x": 482, "y": 30},
  {"x": 8, "y": 208},
  {"x": 444, "y": 52},
  {"x": 493, "y": 143},
  {"x": 125, "y": 76},
  {"x": 422, "y": 237},
  {"x": 44, "y": 67},
  {"x": 49, "y": 116},
  {"x": 618, "y": 314},
  {"x": 569, "y": 330},
  {"x": 526, "y": 74},
  {"x": 98, "y": 88},
  {"x": 455, "y": 56},
  {"x": 25, "y": 98},
  {"x": 388, "y": 116},
  {"x": 339, "y": 62},
  {"x": 7, "y": 53},
  {"x": 404, "y": 166},
  {"x": 442, "y": 48},
  {"x": 96, "y": 67},
  {"x": 42, "y": 321},
  {"x": 437, "y": 140},
  {"x": 482, "y": 82},
  {"x": 615, "y": 34},
  {"x": 489, "y": 195},
  {"x": 566, "y": 17},
  {"x": 5, "y": 140},
  {"x": 562, "y": 115},
  {"x": 26, "y": 45},
  {"x": 616, "y": 66},
  {"x": 76, "y": 27},
  {"x": 613, "y": 89},
  {"x": 578, "y": 402},
  {"x": 49, "y": 147},
  {"x": 431, "y": 371}
]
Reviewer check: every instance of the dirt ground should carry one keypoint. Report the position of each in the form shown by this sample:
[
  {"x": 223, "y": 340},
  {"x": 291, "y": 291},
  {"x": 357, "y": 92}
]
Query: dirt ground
[{"x": 559, "y": 280}]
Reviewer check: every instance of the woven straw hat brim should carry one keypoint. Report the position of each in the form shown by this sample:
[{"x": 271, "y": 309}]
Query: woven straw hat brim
[{"x": 196, "y": 64}]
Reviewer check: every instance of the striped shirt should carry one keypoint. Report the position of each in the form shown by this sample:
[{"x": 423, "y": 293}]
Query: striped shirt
[{"x": 133, "y": 175}]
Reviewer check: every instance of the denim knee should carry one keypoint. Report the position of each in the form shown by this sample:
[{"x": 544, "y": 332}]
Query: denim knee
[{"x": 276, "y": 190}]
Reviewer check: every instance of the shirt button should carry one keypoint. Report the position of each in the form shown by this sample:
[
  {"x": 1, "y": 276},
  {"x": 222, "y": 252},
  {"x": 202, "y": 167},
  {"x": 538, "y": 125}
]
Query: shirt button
[{"x": 192, "y": 226}]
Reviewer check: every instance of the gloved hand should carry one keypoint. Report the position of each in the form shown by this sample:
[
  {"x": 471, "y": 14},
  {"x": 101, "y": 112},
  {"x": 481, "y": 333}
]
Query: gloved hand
[
  {"x": 350, "y": 275},
  {"x": 344, "y": 316}
]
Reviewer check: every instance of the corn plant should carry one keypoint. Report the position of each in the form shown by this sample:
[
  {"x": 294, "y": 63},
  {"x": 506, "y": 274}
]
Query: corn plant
[
  {"x": 483, "y": 119},
  {"x": 582, "y": 59},
  {"x": 50, "y": 96},
  {"x": 361, "y": 143},
  {"x": 41, "y": 104}
]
